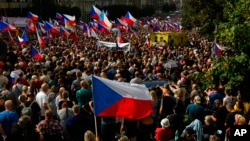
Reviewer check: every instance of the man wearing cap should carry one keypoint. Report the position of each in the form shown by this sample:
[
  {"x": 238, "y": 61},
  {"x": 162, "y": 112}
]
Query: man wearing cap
[{"x": 195, "y": 110}]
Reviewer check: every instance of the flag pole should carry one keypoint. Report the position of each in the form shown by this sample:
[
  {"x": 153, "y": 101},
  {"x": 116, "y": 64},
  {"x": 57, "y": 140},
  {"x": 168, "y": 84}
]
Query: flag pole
[{"x": 96, "y": 131}]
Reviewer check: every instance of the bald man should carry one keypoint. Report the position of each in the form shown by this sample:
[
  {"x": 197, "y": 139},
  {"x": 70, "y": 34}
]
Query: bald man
[
  {"x": 84, "y": 95},
  {"x": 7, "y": 118}
]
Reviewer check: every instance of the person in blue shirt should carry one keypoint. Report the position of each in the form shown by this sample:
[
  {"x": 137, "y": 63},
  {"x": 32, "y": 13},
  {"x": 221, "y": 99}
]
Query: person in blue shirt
[
  {"x": 7, "y": 118},
  {"x": 112, "y": 72},
  {"x": 195, "y": 110}
]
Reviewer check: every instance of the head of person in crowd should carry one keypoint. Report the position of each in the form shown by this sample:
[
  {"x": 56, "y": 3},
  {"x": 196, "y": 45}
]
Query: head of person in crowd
[
  {"x": 197, "y": 100},
  {"x": 8, "y": 105},
  {"x": 84, "y": 84},
  {"x": 45, "y": 87},
  {"x": 217, "y": 103},
  {"x": 76, "y": 109},
  {"x": 48, "y": 116},
  {"x": 208, "y": 120},
  {"x": 189, "y": 134},
  {"x": 214, "y": 138},
  {"x": 123, "y": 138},
  {"x": 230, "y": 107},
  {"x": 89, "y": 136},
  {"x": 239, "y": 120},
  {"x": 165, "y": 123},
  {"x": 24, "y": 122},
  {"x": 30, "y": 97}
]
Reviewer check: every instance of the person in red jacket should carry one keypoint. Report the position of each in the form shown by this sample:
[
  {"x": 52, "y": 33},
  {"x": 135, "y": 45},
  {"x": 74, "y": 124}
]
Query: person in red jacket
[{"x": 164, "y": 133}]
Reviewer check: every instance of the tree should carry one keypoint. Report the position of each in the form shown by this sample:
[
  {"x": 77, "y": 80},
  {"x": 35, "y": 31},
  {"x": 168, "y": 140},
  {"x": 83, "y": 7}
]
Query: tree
[
  {"x": 234, "y": 69},
  {"x": 203, "y": 13}
]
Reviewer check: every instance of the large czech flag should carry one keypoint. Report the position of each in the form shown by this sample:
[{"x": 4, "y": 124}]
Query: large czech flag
[
  {"x": 117, "y": 99},
  {"x": 34, "y": 53},
  {"x": 95, "y": 12},
  {"x": 130, "y": 19},
  {"x": 32, "y": 16},
  {"x": 4, "y": 26}
]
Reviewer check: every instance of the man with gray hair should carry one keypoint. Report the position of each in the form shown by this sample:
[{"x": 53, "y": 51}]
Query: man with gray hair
[{"x": 42, "y": 99}]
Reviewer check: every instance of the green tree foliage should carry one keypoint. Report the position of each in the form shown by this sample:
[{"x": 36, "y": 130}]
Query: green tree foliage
[
  {"x": 235, "y": 34},
  {"x": 202, "y": 13}
]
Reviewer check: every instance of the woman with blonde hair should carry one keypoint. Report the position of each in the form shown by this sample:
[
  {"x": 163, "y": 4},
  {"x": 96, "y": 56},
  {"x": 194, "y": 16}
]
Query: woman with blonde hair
[
  {"x": 90, "y": 136},
  {"x": 24, "y": 92},
  {"x": 240, "y": 120}
]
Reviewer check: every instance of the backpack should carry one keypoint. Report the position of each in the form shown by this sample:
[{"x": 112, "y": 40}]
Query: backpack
[{"x": 27, "y": 110}]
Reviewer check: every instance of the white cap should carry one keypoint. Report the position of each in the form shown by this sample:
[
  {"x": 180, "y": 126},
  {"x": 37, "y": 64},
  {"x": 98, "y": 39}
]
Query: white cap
[{"x": 165, "y": 123}]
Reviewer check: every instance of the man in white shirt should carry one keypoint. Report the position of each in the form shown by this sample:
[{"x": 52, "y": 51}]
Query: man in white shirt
[{"x": 42, "y": 99}]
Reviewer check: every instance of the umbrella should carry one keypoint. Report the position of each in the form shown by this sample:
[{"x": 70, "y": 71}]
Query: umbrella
[{"x": 171, "y": 64}]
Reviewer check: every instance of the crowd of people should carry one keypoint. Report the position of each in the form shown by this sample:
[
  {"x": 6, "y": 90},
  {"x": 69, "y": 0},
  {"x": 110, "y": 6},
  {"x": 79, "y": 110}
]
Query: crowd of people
[{"x": 51, "y": 99}]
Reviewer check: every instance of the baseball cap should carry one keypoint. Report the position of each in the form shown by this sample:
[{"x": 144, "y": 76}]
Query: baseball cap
[
  {"x": 197, "y": 99},
  {"x": 217, "y": 101}
]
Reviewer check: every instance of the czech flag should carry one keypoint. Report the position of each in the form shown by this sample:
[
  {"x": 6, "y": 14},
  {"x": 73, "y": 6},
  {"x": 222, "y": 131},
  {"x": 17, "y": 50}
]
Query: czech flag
[
  {"x": 119, "y": 99},
  {"x": 51, "y": 28},
  {"x": 103, "y": 28},
  {"x": 86, "y": 30},
  {"x": 120, "y": 22},
  {"x": 40, "y": 40},
  {"x": 130, "y": 19},
  {"x": 34, "y": 53},
  {"x": 58, "y": 16},
  {"x": 30, "y": 27},
  {"x": 70, "y": 19},
  {"x": 32, "y": 16},
  {"x": 81, "y": 23},
  {"x": 4, "y": 26},
  {"x": 103, "y": 20},
  {"x": 21, "y": 41},
  {"x": 95, "y": 12},
  {"x": 56, "y": 23},
  {"x": 107, "y": 13},
  {"x": 25, "y": 37},
  {"x": 119, "y": 38},
  {"x": 218, "y": 49},
  {"x": 156, "y": 28},
  {"x": 64, "y": 32}
]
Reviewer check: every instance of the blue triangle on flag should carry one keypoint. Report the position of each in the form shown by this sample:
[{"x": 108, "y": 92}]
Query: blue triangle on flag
[{"x": 103, "y": 95}]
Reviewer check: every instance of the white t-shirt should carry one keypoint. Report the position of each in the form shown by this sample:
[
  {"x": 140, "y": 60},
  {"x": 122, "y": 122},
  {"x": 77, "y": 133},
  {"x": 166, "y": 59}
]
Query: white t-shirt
[{"x": 41, "y": 98}]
